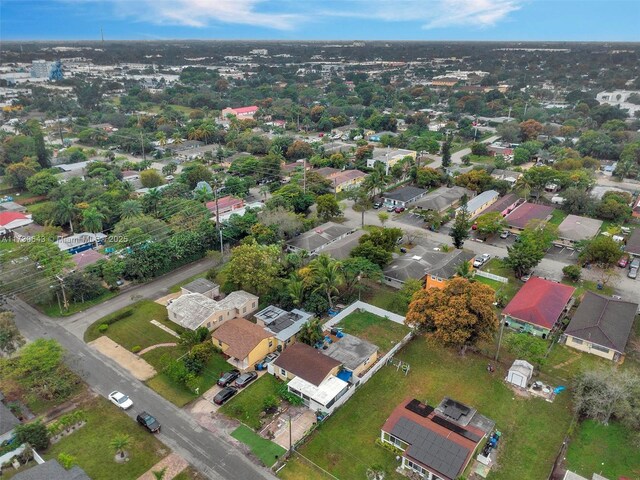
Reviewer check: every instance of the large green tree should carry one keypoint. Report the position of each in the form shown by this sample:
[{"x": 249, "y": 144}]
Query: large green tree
[{"x": 253, "y": 267}]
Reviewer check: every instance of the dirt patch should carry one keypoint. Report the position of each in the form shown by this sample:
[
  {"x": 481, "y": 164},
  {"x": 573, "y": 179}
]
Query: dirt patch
[
  {"x": 164, "y": 300},
  {"x": 135, "y": 365}
]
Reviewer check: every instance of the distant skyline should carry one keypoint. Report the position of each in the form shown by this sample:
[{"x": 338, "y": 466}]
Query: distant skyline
[{"x": 462, "y": 20}]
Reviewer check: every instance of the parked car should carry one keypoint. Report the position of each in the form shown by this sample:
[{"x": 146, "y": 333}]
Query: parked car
[
  {"x": 505, "y": 234},
  {"x": 399, "y": 209},
  {"x": 149, "y": 422},
  {"x": 391, "y": 208},
  {"x": 635, "y": 263},
  {"x": 224, "y": 395},
  {"x": 228, "y": 377},
  {"x": 526, "y": 276},
  {"x": 624, "y": 261},
  {"x": 120, "y": 400},
  {"x": 633, "y": 273},
  {"x": 262, "y": 365},
  {"x": 245, "y": 379},
  {"x": 481, "y": 260},
  {"x": 377, "y": 205}
]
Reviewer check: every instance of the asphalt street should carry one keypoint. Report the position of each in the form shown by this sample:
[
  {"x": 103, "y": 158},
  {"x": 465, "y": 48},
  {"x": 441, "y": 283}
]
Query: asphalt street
[{"x": 212, "y": 455}]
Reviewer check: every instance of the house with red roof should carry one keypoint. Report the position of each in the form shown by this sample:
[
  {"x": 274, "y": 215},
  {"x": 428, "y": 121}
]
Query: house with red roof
[
  {"x": 538, "y": 306},
  {"x": 225, "y": 205},
  {"x": 241, "y": 113},
  {"x": 10, "y": 220},
  {"x": 526, "y": 212}
]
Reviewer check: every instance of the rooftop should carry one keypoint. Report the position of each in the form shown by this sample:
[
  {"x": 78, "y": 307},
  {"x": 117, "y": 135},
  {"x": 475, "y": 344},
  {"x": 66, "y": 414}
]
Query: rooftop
[
  {"x": 477, "y": 202},
  {"x": 502, "y": 203},
  {"x": 319, "y": 236},
  {"x": 404, "y": 194},
  {"x": 200, "y": 285},
  {"x": 8, "y": 421},
  {"x": 576, "y": 228},
  {"x": 323, "y": 393},
  {"x": 539, "y": 302},
  {"x": 241, "y": 335},
  {"x": 350, "y": 351},
  {"x": 306, "y": 362},
  {"x": 522, "y": 215},
  {"x": 7, "y": 217},
  {"x": 442, "y": 198},
  {"x": 633, "y": 242},
  {"x": 603, "y": 321},
  {"x": 420, "y": 261},
  {"x": 51, "y": 470},
  {"x": 340, "y": 249},
  {"x": 286, "y": 324},
  {"x": 78, "y": 240},
  {"x": 87, "y": 257}
]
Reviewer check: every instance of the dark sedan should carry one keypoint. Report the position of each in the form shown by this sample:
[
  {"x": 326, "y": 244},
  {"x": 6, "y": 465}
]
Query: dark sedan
[
  {"x": 149, "y": 422},
  {"x": 228, "y": 377},
  {"x": 224, "y": 395},
  {"x": 245, "y": 379}
]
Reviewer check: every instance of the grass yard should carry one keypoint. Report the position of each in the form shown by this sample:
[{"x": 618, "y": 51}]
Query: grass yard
[
  {"x": 603, "y": 449},
  {"x": 584, "y": 285},
  {"x": 6, "y": 245},
  {"x": 90, "y": 444},
  {"x": 157, "y": 356},
  {"x": 267, "y": 451},
  {"x": 377, "y": 330},
  {"x": 507, "y": 289},
  {"x": 557, "y": 216},
  {"x": 247, "y": 405},
  {"x": 53, "y": 309},
  {"x": 179, "y": 394},
  {"x": 382, "y": 296},
  {"x": 532, "y": 429},
  {"x": 136, "y": 329}
]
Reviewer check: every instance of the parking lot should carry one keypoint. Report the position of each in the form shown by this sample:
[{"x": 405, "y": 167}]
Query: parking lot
[
  {"x": 408, "y": 218},
  {"x": 562, "y": 254}
]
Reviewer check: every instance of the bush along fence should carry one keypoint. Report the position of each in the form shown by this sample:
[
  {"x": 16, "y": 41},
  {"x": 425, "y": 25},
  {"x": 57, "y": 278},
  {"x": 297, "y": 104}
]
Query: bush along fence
[
  {"x": 491, "y": 276},
  {"x": 66, "y": 425}
]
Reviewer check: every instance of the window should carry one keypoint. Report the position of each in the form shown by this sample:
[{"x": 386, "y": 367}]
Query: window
[
  {"x": 270, "y": 343},
  {"x": 220, "y": 319},
  {"x": 433, "y": 277},
  {"x": 219, "y": 343},
  {"x": 283, "y": 372},
  {"x": 577, "y": 341},
  {"x": 599, "y": 348},
  {"x": 208, "y": 324},
  {"x": 439, "y": 279},
  {"x": 244, "y": 309},
  {"x": 253, "y": 305}
]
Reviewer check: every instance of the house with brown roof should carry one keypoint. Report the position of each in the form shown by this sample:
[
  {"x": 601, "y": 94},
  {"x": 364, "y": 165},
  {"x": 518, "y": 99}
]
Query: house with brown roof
[
  {"x": 312, "y": 375},
  {"x": 575, "y": 228},
  {"x": 243, "y": 342},
  {"x": 519, "y": 218},
  {"x": 436, "y": 442},
  {"x": 601, "y": 326},
  {"x": 633, "y": 243}
]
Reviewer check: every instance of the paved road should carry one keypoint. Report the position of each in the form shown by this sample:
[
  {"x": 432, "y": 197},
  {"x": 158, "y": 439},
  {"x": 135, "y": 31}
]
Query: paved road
[
  {"x": 549, "y": 268},
  {"x": 78, "y": 323},
  {"x": 212, "y": 455},
  {"x": 457, "y": 156}
]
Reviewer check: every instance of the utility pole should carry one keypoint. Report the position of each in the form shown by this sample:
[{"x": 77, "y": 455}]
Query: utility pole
[
  {"x": 290, "y": 436},
  {"x": 526, "y": 105},
  {"x": 64, "y": 295},
  {"x": 60, "y": 130},
  {"x": 215, "y": 196},
  {"x": 304, "y": 175},
  {"x": 499, "y": 341},
  {"x": 509, "y": 117}
]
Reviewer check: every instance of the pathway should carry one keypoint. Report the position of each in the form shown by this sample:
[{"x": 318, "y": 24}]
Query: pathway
[
  {"x": 174, "y": 464},
  {"x": 134, "y": 364},
  {"x": 153, "y": 347},
  {"x": 165, "y": 328}
]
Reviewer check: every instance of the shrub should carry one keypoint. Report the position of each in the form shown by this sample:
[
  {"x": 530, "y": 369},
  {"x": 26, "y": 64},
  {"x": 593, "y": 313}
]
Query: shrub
[
  {"x": 572, "y": 272},
  {"x": 286, "y": 395},
  {"x": 118, "y": 317},
  {"x": 103, "y": 328},
  {"x": 270, "y": 401},
  {"x": 35, "y": 434},
  {"x": 67, "y": 460},
  {"x": 136, "y": 348}
]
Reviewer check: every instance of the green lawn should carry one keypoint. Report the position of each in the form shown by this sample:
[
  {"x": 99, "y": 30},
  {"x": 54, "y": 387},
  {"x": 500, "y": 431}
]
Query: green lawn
[
  {"x": 53, "y": 309},
  {"x": 557, "y": 216},
  {"x": 90, "y": 444},
  {"x": 382, "y": 296},
  {"x": 603, "y": 449},
  {"x": 267, "y": 451},
  {"x": 532, "y": 429},
  {"x": 565, "y": 363},
  {"x": 507, "y": 289},
  {"x": 180, "y": 395},
  {"x": 247, "y": 405},
  {"x": 136, "y": 329},
  {"x": 485, "y": 159},
  {"x": 6, "y": 246},
  {"x": 157, "y": 356},
  {"x": 377, "y": 330}
]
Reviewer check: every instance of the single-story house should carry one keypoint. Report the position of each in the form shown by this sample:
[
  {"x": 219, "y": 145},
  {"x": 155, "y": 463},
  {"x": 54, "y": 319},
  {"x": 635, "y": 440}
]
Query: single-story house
[
  {"x": 436, "y": 443},
  {"x": 11, "y": 220},
  {"x": 433, "y": 267},
  {"x": 8, "y": 422},
  {"x": 340, "y": 249},
  {"x": 575, "y": 228},
  {"x": 635, "y": 211},
  {"x": 569, "y": 475},
  {"x": 282, "y": 324},
  {"x": 52, "y": 470},
  {"x": 241, "y": 112},
  {"x": 403, "y": 196},
  {"x": 633, "y": 243},
  {"x": 342, "y": 179},
  {"x": 26, "y": 233},
  {"x": 317, "y": 239},
  {"x": 11, "y": 206},
  {"x": 505, "y": 205},
  {"x": 193, "y": 310},
  {"x": 224, "y": 217},
  {"x": 355, "y": 355},
  {"x": 202, "y": 286},
  {"x": 389, "y": 156},
  {"x": 601, "y": 326},
  {"x": 312, "y": 375},
  {"x": 183, "y": 145},
  {"x": 519, "y": 218},
  {"x": 498, "y": 149},
  {"x": 244, "y": 342},
  {"x": 479, "y": 204},
  {"x": 506, "y": 175},
  {"x": 86, "y": 258},
  {"x": 80, "y": 242},
  {"x": 538, "y": 306},
  {"x": 225, "y": 204},
  {"x": 520, "y": 373},
  {"x": 443, "y": 199}
]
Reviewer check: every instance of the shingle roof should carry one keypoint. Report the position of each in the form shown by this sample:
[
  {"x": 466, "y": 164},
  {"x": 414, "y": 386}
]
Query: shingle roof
[
  {"x": 192, "y": 309},
  {"x": 319, "y": 236},
  {"x": 350, "y": 351},
  {"x": 476, "y": 202},
  {"x": 306, "y": 362},
  {"x": 633, "y": 242},
  {"x": 576, "y": 228},
  {"x": 443, "y": 198},
  {"x": 526, "y": 212},
  {"x": 241, "y": 335},
  {"x": 420, "y": 261},
  {"x": 200, "y": 285},
  {"x": 52, "y": 470},
  {"x": 404, "y": 194},
  {"x": 340, "y": 249},
  {"x": 603, "y": 321},
  {"x": 8, "y": 421},
  {"x": 502, "y": 203},
  {"x": 539, "y": 302}
]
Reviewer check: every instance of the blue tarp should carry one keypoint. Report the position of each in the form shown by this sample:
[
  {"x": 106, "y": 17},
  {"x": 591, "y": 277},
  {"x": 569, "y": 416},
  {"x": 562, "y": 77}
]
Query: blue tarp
[{"x": 345, "y": 375}]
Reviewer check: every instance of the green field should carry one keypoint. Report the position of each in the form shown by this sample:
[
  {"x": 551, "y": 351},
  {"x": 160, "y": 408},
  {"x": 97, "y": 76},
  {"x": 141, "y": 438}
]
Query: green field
[
  {"x": 377, "y": 330},
  {"x": 247, "y": 405},
  {"x": 53, "y": 309},
  {"x": 382, "y": 296},
  {"x": 90, "y": 444},
  {"x": 557, "y": 216},
  {"x": 137, "y": 328},
  {"x": 532, "y": 429},
  {"x": 267, "y": 451}
]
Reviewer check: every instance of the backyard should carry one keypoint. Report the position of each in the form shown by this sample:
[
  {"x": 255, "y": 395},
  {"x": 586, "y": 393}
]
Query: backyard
[
  {"x": 532, "y": 429},
  {"x": 267, "y": 451},
  {"x": 250, "y": 401},
  {"x": 377, "y": 330},
  {"x": 90, "y": 444},
  {"x": 131, "y": 326},
  {"x": 384, "y": 297}
]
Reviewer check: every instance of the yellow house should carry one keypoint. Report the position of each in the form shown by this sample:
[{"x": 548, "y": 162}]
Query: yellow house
[{"x": 245, "y": 343}]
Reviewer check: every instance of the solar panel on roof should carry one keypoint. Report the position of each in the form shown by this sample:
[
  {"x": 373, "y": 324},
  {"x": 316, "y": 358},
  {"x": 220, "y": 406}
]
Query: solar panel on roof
[
  {"x": 456, "y": 428},
  {"x": 418, "y": 407}
]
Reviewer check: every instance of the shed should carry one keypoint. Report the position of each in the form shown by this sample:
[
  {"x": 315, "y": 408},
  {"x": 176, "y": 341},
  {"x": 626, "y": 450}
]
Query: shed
[{"x": 520, "y": 373}]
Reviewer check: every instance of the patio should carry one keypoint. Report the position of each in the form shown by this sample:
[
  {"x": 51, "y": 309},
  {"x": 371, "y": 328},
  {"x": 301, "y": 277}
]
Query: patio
[{"x": 302, "y": 419}]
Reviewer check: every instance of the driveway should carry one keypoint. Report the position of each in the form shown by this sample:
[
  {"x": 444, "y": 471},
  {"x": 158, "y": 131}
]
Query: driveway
[{"x": 131, "y": 362}]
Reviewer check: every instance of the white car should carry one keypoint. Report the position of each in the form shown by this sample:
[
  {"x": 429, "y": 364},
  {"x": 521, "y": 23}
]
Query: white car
[
  {"x": 120, "y": 400},
  {"x": 479, "y": 261}
]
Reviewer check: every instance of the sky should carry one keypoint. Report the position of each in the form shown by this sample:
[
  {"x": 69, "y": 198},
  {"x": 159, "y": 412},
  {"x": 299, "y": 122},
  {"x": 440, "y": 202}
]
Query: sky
[{"x": 526, "y": 20}]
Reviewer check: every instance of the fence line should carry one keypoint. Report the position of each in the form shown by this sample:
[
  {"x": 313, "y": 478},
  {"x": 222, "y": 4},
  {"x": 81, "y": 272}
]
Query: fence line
[
  {"x": 491, "y": 276},
  {"x": 359, "y": 305}
]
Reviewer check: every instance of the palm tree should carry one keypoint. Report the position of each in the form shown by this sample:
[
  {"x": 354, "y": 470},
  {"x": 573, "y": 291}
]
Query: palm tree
[
  {"x": 65, "y": 212},
  {"x": 130, "y": 209},
  {"x": 464, "y": 271},
  {"x": 264, "y": 190},
  {"x": 311, "y": 332},
  {"x": 295, "y": 289},
  {"x": 92, "y": 221},
  {"x": 177, "y": 138},
  {"x": 119, "y": 443},
  {"x": 203, "y": 195},
  {"x": 160, "y": 474},
  {"x": 162, "y": 138},
  {"x": 152, "y": 198},
  {"x": 327, "y": 275}
]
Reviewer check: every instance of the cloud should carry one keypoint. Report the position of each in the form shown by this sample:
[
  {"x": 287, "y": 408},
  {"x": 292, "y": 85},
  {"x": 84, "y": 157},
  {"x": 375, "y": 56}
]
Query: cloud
[{"x": 204, "y": 13}]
